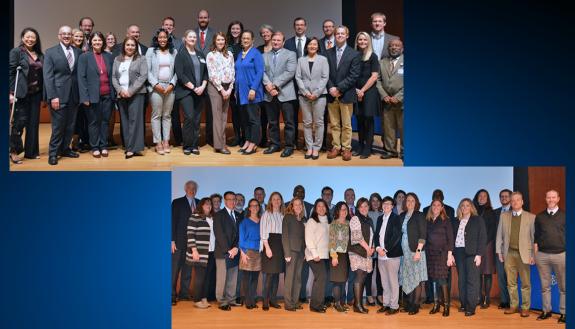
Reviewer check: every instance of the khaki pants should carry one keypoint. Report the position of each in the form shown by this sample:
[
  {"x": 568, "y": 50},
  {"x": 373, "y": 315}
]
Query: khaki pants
[
  {"x": 340, "y": 124},
  {"x": 546, "y": 263},
  {"x": 513, "y": 267}
]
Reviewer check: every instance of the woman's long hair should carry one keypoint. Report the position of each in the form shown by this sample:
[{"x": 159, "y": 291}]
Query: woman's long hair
[
  {"x": 156, "y": 44},
  {"x": 38, "y": 46}
]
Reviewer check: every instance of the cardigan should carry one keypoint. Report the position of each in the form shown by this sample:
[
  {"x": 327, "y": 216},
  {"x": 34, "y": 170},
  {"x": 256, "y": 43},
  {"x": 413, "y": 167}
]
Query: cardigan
[
  {"x": 317, "y": 239},
  {"x": 416, "y": 229},
  {"x": 249, "y": 75},
  {"x": 199, "y": 234}
]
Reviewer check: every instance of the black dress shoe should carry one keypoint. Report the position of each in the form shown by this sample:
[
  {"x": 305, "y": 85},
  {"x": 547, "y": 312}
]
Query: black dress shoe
[
  {"x": 275, "y": 305},
  {"x": 290, "y": 309},
  {"x": 383, "y": 309},
  {"x": 223, "y": 151},
  {"x": 356, "y": 153},
  {"x": 287, "y": 152},
  {"x": 254, "y": 150},
  {"x": 315, "y": 157},
  {"x": 225, "y": 308},
  {"x": 307, "y": 156},
  {"x": 196, "y": 151},
  {"x": 298, "y": 306},
  {"x": 138, "y": 154},
  {"x": 174, "y": 301},
  {"x": 468, "y": 313},
  {"x": 544, "y": 316},
  {"x": 461, "y": 309},
  {"x": 52, "y": 161},
  {"x": 392, "y": 311},
  {"x": 303, "y": 301},
  {"x": 271, "y": 149},
  {"x": 316, "y": 310},
  {"x": 562, "y": 318},
  {"x": 266, "y": 308},
  {"x": 386, "y": 156},
  {"x": 187, "y": 151},
  {"x": 484, "y": 305},
  {"x": 70, "y": 154}
]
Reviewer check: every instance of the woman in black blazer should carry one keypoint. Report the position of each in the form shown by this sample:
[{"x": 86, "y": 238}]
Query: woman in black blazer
[
  {"x": 29, "y": 57},
  {"x": 482, "y": 203},
  {"x": 293, "y": 241},
  {"x": 414, "y": 265},
  {"x": 192, "y": 76},
  {"x": 96, "y": 92},
  {"x": 470, "y": 240}
]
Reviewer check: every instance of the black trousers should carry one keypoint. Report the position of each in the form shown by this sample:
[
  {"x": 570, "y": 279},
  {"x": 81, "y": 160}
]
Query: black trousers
[
  {"x": 377, "y": 280},
  {"x": 295, "y": 120},
  {"x": 63, "y": 122},
  {"x": 468, "y": 279},
  {"x": 251, "y": 121},
  {"x": 270, "y": 287},
  {"x": 200, "y": 283},
  {"x": 192, "y": 106},
  {"x": 26, "y": 116},
  {"x": 239, "y": 132},
  {"x": 319, "y": 281},
  {"x": 98, "y": 118},
  {"x": 179, "y": 265},
  {"x": 273, "y": 110},
  {"x": 304, "y": 278},
  {"x": 131, "y": 112},
  {"x": 81, "y": 127},
  {"x": 249, "y": 286},
  {"x": 264, "y": 126},
  {"x": 207, "y": 109},
  {"x": 365, "y": 133},
  {"x": 176, "y": 124}
]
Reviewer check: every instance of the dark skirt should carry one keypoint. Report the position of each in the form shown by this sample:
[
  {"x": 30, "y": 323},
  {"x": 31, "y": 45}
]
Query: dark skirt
[
  {"x": 370, "y": 105},
  {"x": 341, "y": 271},
  {"x": 488, "y": 260},
  {"x": 437, "y": 264},
  {"x": 276, "y": 264}
]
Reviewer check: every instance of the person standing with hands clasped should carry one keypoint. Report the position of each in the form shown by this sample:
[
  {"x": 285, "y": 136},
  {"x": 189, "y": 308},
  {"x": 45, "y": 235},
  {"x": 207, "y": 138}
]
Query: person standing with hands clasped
[
  {"x": 293, "y": 241},
  {"x": 316, "y": 253}
]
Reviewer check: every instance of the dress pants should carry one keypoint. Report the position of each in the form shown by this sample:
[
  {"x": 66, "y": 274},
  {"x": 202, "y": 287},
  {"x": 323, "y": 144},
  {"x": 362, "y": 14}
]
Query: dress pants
[
  {"x": 340, "y": 124},
  {"x": 98, "y": 115},
  {"x": 161, "y": 119},
  {"x": 545, "y": 264},
  {"x": 513, "y": 266},
  {"x": 319, "y": 281},
  {"x": 469, "y": 277},
  {"x": 192, "y": 106},
  {"x": 131, "y": 111},
  {"x": 63, "y": 122},
  {"x": 200, "y": 283},
  {"x": 206, "y": 107},
  {"x": 251, "y": 119},
  {"x": 392, "y": 123},
  {"x": 369, "y": 281},
  {"x": 26, "y": 116},
  {"x": 502, "y": 281},
  {"x": 219, "y": 116},
  {"x": 389, "y": 272},
  {"x": 273, "y": 110},
  {"x": 304, "y": 279},
  {"x": 81, "y": 128},
  {"x": 179, "y": 265},
  {"x": 292, "y": 282},
  {"x": 226, "y": 281},
  {"x": 239, "y": 133},
  {"x": 176, "y": 124},
  {"x": 295, "y": 121},
  {"x": 313, "y": 125}
]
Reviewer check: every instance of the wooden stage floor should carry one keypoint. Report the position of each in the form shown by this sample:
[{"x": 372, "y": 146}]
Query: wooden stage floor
[
  {"x": 151, "y": 161},
  {"x": 185, "y": 316}
]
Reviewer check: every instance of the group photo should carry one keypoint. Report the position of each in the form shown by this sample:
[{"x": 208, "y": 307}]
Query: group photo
[
  {"x": 376, "y": 245},
  {"x": 214, "y": 86}
]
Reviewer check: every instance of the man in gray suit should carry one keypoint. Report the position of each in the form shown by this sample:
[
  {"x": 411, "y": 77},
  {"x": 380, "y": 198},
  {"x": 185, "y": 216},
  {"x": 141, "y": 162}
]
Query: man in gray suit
[
  {"x": 390, "y": 87},
  {"x": 205, "y": 37},
  {"x": 280, "y": 66},
  {"x": 380, "y": 39},
  {"x": 61, "y": 90}
]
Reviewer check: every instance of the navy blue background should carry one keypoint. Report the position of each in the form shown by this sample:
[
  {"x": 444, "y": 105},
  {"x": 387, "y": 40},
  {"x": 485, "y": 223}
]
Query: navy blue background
[{"x": 487, "y": 84}]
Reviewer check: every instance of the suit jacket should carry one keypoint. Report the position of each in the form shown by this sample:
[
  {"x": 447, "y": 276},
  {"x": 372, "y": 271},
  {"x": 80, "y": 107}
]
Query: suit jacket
[
  {"x": 185, "y": 72},
  {"x": 322, "y": 48},
  {"x": 416, "y": 229},
  {"x": 390, "y": 83},
  {"x": 89, "y": 76},
  {"x": 280, "y": 75},
  {"x": 208, "y": 40},
  {"x": 226, "y": 232},
  {"x": 526, "y": 235},
  {"x": 291, "y": 44},
  {"x": 59, "y": 81},
  {"x": 154, "y": 68},
  {"x": 475, "y": 235},
  {"x": 385, "y": 51},
  {"x": 313, "y": 81},
  {"x": 138, "y": 75},
  {"x": 19, "y": 57},
  {"x": 293, "y": 235},
  {"x": 117, "y": 50},
  {"x": 392, "y": 238},
  {"x": 181, "y": 213},
  {"x": 344, "y": 76}
]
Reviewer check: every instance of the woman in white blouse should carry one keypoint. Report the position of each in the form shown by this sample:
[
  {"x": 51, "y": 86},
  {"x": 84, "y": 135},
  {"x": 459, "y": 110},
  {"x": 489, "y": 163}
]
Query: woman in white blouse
[
  {"x": 317, "y": 252},
  {"x": 220, "y": 62},
  {"x": 272, "y": 254}
]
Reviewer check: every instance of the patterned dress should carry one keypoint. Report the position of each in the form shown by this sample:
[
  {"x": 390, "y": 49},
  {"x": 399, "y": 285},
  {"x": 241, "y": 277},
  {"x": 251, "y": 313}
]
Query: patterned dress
[
  {"x": 356, "y": 261},
  {"x": 412, "y": 273}
]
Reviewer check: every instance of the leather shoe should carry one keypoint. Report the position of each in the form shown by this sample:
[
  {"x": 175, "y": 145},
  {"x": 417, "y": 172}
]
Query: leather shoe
[
  {"x": 70, "y": 154},
  {"x": 333, "y": 153},
  {"x": 356, "y": 153},
  {"x": 317, "y": 310},
  {"x": 364, "y": 156},
  {"x": 524, "y": 313},
  {"x": 392, "y": 311},
  {"x": 225, "y": 308},
  {"x": 187, "y": 151},
  {"x": 503, "y": 305},
  {"x": 196, "y": 151},
  {"x": 386, "y": 156},
  {"x": 511, "y": 311},
  {"x": 223, "y": 151},
  {"x": 469, "y": 313},
  {"x": 52, "y": 161},
  {"x": 346, "y": 155},
  {"x": 271, "y": 149},
  {"x": 307, "y": 156},
  {"x": 275, "y": 305},
  {"x": 544, "y": 316},
  {"x": 562, "y": 318},
  {"x": 287, "y": 152},
  {"x": 266, "y": 308},
  {"x": 383, "y": 309}
]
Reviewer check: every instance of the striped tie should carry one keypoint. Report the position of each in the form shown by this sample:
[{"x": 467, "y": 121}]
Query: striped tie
[{"x": 70, "y": 58}]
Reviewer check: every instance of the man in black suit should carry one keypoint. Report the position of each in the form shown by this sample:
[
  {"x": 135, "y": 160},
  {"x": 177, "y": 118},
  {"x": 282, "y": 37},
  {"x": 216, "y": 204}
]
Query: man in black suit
[
  {"x": 344, "y": 69},
  {"x": 61, "y": 91},
  {"x": 205, "y": 37},
  {"x": 182, "y": 208},
  {"x": 86, "y": 25},
  {"x": 226, "y": 252},
  {"x": 326, "y": 43},
  {"x": 327, "y": 196},
  {"x": 504, "y": 300}
]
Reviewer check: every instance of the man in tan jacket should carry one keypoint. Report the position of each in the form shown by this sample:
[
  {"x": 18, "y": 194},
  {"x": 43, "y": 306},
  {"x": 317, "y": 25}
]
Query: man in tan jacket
[{"x": 514, "y": 246}]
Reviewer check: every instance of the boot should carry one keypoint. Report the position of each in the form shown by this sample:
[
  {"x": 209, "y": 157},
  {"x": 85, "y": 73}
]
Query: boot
[
  {"x": 357, "y": 301},
  {"x": 446, "y": 300},
  {"x": 435, "y": 308}
]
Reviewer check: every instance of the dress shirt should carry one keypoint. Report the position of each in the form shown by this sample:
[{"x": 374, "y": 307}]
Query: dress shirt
[
  {"x": 378, "y": 42},
  {"x": 69, "y": 49},
  {"x": 212, "y": 247},
  {"x": 552, "y": 212},
  {"x": 303, "y": 40},
  {"x": 460, "y": 239},
  {"x": 517, "y": 213}
]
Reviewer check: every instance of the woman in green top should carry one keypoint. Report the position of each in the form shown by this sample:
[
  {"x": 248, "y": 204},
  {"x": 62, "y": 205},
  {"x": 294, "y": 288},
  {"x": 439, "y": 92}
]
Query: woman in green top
[{"x": 338, "y": 240}]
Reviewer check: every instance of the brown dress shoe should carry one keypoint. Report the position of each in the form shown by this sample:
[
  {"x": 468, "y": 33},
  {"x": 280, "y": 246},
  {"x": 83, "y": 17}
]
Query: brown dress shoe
[
  {"x": 346, "y": 155},
  {"x": 511, "y": 311},
  {"x": 524, "y": 313},
  {"x": 333, "y": 153}
]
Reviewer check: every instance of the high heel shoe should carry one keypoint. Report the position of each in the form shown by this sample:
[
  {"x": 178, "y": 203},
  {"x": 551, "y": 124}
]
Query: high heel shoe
[
  {"x": 15, "y": 159},
  {"x": 129, "y": 155},
  {"x": 254, "y": 150}
]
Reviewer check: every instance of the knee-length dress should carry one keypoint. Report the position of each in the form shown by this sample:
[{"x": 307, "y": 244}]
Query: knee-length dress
[
  {"x": 437, "y": 245},
  {"x": 412, "y": 272},
  {"x": 370, "y": 104},
  {"x": 338, "y": 240},
  {"x": 358, "y": 262}
]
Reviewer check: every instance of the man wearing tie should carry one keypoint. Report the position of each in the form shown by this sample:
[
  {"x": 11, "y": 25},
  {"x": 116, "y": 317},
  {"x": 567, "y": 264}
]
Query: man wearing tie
[
  {"x": 61, "y": 90},
  {"x": 326, "y": 43},
  {"x": 390, "y": 87},
  {"x": 86, "y": 25},
  {"x": 327, "y": 196},
  {"x": 280, "y": 66},
  {"x": 226, "y": 252},
  {"x": 380, "y": 39},
  {"x": 505, "y": 200},
  {"x": 182, "y": 208},
  {"x": 205, "y": 37},
  {"x": 349, "y": 198},
  {"x": 514, "y": 246}
]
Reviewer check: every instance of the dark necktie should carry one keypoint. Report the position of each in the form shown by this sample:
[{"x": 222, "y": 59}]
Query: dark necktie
[
  {"x": 202, "y": 39},
  {"x": 299, "y": 48}
]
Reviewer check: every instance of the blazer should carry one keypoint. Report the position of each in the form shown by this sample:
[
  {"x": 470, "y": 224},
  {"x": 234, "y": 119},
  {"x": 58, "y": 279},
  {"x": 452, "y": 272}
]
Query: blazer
[
  {"x": 313, "y": 81},
  {"x": 293, "y": 235},
  {"x": 89, "y": 76},
  {"x": 280, "y": 75},
  {"x": 344, "y": 76},
  {"x": 392, "y": 238},
  {"x": 226, "y": 232},
  {"x": 184, "y": 67},
  {"x": 249, "y": 75},
  {"x": 526, "y": 235},
  {"x": 117, "y": 49},
  {"x": 138, "y": 74},
  {"x": 390, "y": 83},
  {"x": 19, "y": 57},
  {"x": 416, "y": 229},
  {"x": 322, "y": 47},
  {"x": 208, "y": 40},
  {"x": 291, "y": 44},
  {"x": 475, "y": 235},
  {"x": 154, "y": 67},
  {"x": 181, "y": 213},
  {"x": 59, "y": 81}
]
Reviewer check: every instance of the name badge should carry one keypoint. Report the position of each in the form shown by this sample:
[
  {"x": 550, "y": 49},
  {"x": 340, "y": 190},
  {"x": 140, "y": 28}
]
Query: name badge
[{"x": 400, "y": 71}]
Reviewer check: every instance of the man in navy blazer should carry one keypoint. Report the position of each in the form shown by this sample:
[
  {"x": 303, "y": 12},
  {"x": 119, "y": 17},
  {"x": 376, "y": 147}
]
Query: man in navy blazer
[
  {"x": 61, "y": 90},
  {"x": 182, "y": 208}
]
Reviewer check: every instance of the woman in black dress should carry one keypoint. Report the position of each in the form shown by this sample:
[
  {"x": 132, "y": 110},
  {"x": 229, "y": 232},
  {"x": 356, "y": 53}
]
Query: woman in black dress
[
  {"x": 272, "y": 254},
  {"x": 482, "y": 203},
  {"x": 368, "y": 102},
  {"x": 440, "y": 246},
  {"x": 235, "y": 29},
  {"x": 339, "y": 264}
]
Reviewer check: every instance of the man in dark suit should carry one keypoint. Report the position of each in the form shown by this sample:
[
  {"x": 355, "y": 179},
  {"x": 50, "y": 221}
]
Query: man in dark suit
[
  {"x": 380, "y": 39},
  {"x": 182, "y": 208},
  {"x": 327, "y": 196},
  {"x": 326, "y": 43},
  {"x": 61, "y": 91},
  {"x": 504, "y": 300},
  {"x": 86, "y": 25},
  {"x": 226, "y": 252},
  {"x": 344, "y": 69},
  {"x": 169, "y": 24}
]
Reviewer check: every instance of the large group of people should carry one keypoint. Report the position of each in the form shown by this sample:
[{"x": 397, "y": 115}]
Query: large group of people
[
  {"x": 88, "y": 74},
  {"x": 414, "y": 252}
]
